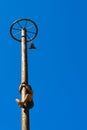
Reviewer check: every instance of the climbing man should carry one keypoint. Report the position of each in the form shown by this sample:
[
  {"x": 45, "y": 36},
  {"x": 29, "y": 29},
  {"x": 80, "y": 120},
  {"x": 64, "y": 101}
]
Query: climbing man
[{"x": 28, "y": 97}]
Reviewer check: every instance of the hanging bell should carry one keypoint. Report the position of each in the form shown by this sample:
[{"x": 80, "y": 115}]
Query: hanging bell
[{"x": 32, "y": 46}]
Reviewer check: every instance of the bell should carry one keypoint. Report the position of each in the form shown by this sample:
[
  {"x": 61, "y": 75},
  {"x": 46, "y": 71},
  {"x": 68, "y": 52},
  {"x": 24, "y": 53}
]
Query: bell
[{"x": 32, "y": 46}]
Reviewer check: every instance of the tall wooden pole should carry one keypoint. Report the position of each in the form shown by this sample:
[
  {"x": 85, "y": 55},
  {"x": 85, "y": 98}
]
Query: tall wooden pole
[
  {"x": 24, "y": 78},
  {"x": 21, "y": 26}
]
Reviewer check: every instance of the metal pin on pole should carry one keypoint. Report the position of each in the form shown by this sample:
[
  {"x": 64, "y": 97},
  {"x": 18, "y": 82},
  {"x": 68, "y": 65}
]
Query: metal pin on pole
[{"x": 24, "y": 30}]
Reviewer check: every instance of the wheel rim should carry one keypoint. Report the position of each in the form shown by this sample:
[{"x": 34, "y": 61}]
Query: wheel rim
[{"x": 29, "y": 25}]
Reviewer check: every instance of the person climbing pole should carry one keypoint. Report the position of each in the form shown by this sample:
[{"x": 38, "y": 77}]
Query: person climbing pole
[{"x": 28, "y": 97}]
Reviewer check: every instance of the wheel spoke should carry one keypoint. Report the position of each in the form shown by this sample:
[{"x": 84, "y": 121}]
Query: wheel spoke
[
  {"x": 17, "y": 33},
  {"x": 19, "y": 25},
  {"x": 28, "y": 36},
  {"x": 25, "y": 24},
  {"x": 30, "y": 27},
  {"x": 31, "y": 32},
  {"x": 16, "y": 29}
]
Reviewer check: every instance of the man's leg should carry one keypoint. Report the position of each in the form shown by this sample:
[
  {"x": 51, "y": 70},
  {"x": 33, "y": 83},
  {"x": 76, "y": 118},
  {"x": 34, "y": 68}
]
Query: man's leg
[{"x": 28, "y": 98}]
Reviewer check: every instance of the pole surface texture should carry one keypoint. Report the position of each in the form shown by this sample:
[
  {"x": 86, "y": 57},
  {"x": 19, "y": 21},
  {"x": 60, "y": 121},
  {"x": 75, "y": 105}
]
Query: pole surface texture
[{"x": 24, "y": 78}]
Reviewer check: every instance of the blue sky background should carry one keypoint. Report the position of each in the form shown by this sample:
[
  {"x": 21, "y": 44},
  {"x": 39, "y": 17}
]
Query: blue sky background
[{"x": 57, "y": 69}]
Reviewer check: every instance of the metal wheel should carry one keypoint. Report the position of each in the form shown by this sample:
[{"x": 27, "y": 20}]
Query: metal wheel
[{"x": 29, "y": 25}]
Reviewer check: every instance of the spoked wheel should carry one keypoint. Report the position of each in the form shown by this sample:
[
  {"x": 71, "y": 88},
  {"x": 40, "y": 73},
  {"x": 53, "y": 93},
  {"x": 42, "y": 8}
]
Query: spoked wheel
[{"x": 29, "y": 25}]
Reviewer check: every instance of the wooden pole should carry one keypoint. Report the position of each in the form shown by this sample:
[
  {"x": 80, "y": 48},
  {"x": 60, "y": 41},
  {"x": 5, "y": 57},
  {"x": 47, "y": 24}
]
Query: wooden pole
[{"x": 24, "y": 79}]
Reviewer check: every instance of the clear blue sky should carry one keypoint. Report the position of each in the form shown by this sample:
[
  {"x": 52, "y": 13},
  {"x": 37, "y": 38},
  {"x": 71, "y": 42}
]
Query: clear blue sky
[{"x": 57, "y": 69}]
